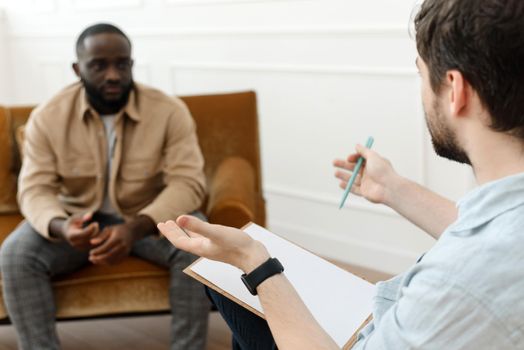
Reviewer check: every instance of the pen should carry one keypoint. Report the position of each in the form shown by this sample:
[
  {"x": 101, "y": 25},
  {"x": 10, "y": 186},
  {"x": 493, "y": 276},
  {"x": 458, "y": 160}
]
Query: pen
[
  {"x": 187, "y": 234},
  {"x": 360, "y": 160}
]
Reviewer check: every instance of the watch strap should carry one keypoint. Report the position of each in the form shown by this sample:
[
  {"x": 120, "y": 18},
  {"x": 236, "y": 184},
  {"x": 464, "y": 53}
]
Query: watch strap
[{"x": 269, "y": 268}]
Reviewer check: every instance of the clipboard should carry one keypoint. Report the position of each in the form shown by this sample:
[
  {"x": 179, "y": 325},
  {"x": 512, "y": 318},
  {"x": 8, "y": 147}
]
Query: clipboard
[{"x": 342, "y": 305}]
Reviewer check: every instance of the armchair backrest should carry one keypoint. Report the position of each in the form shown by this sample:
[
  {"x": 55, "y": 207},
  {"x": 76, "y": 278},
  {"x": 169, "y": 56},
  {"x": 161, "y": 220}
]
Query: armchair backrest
[
  {"x": 10, "y": 119},
  {"x": 227, "y": 126}
]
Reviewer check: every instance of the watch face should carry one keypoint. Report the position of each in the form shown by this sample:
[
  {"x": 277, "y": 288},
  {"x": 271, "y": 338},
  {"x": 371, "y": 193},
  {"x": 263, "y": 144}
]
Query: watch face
[{"x": 251, "y": 290}]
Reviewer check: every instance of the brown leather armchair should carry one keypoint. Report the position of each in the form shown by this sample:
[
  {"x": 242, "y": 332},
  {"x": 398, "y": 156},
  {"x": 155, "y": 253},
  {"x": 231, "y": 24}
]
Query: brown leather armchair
[{"x": 227, "y": 128}]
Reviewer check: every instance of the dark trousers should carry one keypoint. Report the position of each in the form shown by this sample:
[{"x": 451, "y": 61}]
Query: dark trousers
[{"x": 250, "y": 332}]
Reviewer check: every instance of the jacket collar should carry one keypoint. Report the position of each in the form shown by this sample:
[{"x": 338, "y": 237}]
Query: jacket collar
[{"x": 130, "y": 110}]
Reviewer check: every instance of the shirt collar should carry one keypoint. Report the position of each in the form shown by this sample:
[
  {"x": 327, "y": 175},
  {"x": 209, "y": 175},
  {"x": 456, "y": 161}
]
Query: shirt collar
[
  {"x": 130, "y": 109},
  {"x": 489, "y": 201}
]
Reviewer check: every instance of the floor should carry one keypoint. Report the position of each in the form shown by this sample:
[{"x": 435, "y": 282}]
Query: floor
[
  {"x": 146, "y": 332},
  {"x": 132, "y": 333}
]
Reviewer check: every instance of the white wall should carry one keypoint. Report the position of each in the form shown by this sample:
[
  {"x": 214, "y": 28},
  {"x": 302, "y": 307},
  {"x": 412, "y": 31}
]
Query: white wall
[
  {"x": 4, "y": 63},
  {"x": 328, "y": 73}
]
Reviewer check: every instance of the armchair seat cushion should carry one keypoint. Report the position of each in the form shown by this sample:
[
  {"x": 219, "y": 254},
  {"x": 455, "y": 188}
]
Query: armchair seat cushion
[{"x": 133, "y": 286}]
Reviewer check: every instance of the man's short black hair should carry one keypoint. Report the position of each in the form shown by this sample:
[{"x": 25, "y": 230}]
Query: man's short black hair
[{"x": 95, "y": 29}]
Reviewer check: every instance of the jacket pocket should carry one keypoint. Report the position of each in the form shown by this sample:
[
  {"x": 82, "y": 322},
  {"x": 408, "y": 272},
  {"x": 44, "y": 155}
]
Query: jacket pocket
[
  {"x": 138, "y": 184},
  {"x": 78, "y": 177},
  {"x": 139, "y": 170}
]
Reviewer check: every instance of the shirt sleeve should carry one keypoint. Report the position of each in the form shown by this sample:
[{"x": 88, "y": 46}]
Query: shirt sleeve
[
  {"x": 38, "y": 183},
  {"x": 183, "y": 170},
  {"x": 435, "y": 313}
]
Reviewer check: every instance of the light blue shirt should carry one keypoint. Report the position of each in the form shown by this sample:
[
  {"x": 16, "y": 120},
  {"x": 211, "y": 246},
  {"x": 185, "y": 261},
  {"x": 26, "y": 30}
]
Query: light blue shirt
[{"x": 467, "y": 292}]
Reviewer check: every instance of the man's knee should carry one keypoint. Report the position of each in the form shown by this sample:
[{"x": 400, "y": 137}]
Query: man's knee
[
  {"x": 19, "y": 248},
  {"x": 180, "y": 259},
  {"x": 199, "y": 215},
  {"x": 5, "y": 255}
]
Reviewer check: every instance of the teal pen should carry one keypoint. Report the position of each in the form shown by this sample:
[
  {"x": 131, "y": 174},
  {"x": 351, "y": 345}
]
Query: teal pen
[
  {"x": 187, "y": 234},
  {"x": 360, "y": 160}
]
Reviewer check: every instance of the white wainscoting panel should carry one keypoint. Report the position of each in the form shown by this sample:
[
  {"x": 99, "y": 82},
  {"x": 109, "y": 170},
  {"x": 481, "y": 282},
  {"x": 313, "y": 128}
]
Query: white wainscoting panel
[
  {"x": 94, "y": 5},
  {"x": 5, "y": 82},
  {"x": 35, "y": 6},
  {"x": 341, "y": 110},
  {"x": 142, "y": 72},
  {"x": 55, "y": 75},
  {"x": 219, "y": 2},
  {"x": 367, "y": 238}
]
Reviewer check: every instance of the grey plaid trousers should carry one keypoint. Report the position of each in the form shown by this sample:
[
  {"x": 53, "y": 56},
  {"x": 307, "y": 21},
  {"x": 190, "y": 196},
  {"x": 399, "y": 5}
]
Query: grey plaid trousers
[{"x": 28, "y": 262}]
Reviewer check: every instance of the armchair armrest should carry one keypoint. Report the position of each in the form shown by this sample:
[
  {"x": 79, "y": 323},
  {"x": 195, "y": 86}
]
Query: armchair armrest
[
  {"x": 19, "y": 137},
  {"x": 232, "y": 198}
]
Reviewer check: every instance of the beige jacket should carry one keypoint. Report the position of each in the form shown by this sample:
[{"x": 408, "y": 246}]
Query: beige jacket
[{"x": 157, "y": 165}]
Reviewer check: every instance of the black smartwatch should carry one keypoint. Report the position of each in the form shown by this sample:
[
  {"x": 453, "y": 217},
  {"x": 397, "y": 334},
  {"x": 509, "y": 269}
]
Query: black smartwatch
[{"x": 270, "y": 268}]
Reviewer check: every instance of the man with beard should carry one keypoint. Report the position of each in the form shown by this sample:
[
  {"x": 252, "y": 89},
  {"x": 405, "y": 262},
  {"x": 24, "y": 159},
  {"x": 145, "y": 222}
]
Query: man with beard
[
  {"x": 104, "y": 161},
  {"x": 466, "y": 292}
]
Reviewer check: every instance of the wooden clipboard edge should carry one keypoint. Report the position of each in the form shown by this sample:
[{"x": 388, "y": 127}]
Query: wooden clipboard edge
[
  {"x": 351, "y": 342},
  {"x": 188, "y": 271},
  {"x": 217, "y": 289}
]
